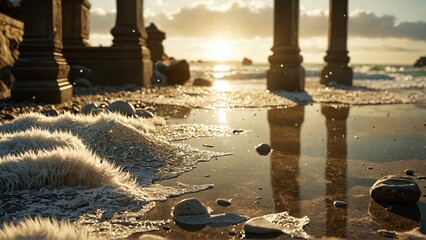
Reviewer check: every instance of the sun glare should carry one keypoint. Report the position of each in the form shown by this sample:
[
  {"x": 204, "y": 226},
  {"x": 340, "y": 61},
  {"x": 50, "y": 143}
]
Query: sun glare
[
  {"x": 221, "y": 86},
  {"x": 221, "y": 50}
]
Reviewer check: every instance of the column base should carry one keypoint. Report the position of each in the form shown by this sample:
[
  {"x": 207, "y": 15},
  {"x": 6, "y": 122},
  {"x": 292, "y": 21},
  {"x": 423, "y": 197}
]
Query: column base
[
  {"x": 287, "y": 78},
  {"x": 339, "y": 74},
  {"x": 59, "y": 91}
]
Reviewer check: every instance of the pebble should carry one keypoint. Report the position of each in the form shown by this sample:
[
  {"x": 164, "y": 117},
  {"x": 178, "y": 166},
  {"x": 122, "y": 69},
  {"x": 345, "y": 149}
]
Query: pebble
[
  {"x": 167, "y": 228},
  {"x": 340, "y": 204},
  {"x": 395, "y": 188},
  {"x": 89, "y": 108},
  {"x": 263, "y": 149},
  {"x": 122, "y": 107},
  {"x": 82, "y": 203},
  {"x": 50, "y": 112},
  {"x": 189, "y": 206},
  {"x": 202, "y": 82},
  {"x": 207, "y": 145},
  {"x": 143, "y": 113},
  {"x": 236, "y": 131},
  {"x": 151, "y": 237},
  {"x": 387, "y": 234},
  {"x": 421, "y": 177},
  {"x": 260, "y": 225},
  {"x": 409, "y": 172},
  {"x": 223, "y": 202}
]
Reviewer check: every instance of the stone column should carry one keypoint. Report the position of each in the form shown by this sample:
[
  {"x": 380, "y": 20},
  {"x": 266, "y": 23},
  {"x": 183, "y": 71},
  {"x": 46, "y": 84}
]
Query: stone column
[
  {"x": 41, "y": 70},
  {"x": 130, "y": 39},
  {"x": 336, "y": 67},
  {"x": 286, "y": 72},
  {"x": 155, "y": 42},
  {"x": 76, "y": 22}
]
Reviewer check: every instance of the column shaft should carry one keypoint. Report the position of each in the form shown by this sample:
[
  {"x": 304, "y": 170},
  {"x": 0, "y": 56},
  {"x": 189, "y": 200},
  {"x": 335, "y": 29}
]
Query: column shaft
[
  {"x": 286, "y": 72},
  {"x": 41, "y": 70},
  {"x": 76, "y": 22},
  {"x": 336, "y": 67}
]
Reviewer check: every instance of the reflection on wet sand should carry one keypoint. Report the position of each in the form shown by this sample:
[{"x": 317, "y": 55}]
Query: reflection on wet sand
[
  {"x": 285, "y": 126},
  {"x": 336, "y": 169}
]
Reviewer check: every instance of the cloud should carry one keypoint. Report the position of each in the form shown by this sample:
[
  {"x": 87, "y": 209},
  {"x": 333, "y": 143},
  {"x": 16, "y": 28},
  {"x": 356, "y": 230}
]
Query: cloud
[{"x": 239, "y": 20}]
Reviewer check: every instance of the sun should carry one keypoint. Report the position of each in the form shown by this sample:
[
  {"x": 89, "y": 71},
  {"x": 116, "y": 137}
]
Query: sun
[{"x": 221, "y": 50}]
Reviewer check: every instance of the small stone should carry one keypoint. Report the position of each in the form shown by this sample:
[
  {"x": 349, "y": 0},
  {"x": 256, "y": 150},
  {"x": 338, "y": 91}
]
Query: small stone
[
  {"x": 50, "y": 112},
  {"x": 143, "y": 113},
  {"x": 82, "y": 203},
  {"x": 409, "y": 172},
  {"x": 189, "y": 206},
  {"x": 340, "y": 204},
  {"x": 207, "y": 175},
  {"x": 232, "y": 233},
  {"x": 207, "y": 145},
  {"x": 260, "y": 225},
  {"x": 223, "y": 202},
  {"x": 90, "y": 108},
  {"x": 202, "y": 82},
  {"x": 356, "y": 137},
  {"x": 122, "y": 107},
  {"x": 387, "y": 234},
  {"x": 9, "y": 117},
  {"x": 236, "y": 131},
  {"x": 151, "y": 237},
  {"x": 369, "y": 167},
  {"x": 395, "y": 188},
  {"x": 82, "y": 82},
  {"x": 167, "y": 228},
  {"x": 263, "y": 149},
  {"x": 421, "y": 177}
]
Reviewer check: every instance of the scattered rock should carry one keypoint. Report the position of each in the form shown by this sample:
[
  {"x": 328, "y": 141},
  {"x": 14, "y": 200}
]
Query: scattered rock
[
  {"x": 260, "y": 225},
  {"x": 356, "y": 137},
  {"x": 263, "y": 149},
  {"x": 223, "y": 202},
  {"x": 421, "y": 177},
  {"x": 387, "y": 234},
  {"x": 202, "y": 82},
  {"x": 395, "y": 188},
  {"x": 409, "y": 172},
  {"x": 178, "y": 72},
  {"x": 236, "y": 131},
  {"x": 207, "y": 145},
  {"x": 90, "y": 108},
  {"x": 82, "y": 203},
  {"x": 50, "y": 112},
  {"x": 340, "y": 204},
  {"x": 122, "y": 107},
  {"x": 247, "y": 62},
  {"x": 167, "y": 228},
  {"x": 143, "y": 113},
  {"x": 82, "y": 82},
  {"x": 370, "y": 167},
  {"x": 189, "y": 206}
]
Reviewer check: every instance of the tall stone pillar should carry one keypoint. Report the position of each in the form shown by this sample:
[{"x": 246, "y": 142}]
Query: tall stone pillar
[
  {"x": 155, "y": 42},
  {"x": 286, "y": 72},
  {"x": 41, "y": 70},
  {"x": 76, "y": 22},
  {"x": 130, "y": 38},
  {"x": 336, "y": 67}
]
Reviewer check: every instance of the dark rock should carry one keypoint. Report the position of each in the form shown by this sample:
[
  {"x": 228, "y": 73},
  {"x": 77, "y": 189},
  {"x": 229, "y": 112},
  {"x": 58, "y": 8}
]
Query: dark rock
[
  {"x": 122, "y": 107},
  {"x": 395, "y": 188},
  {"x": 247, "y": 62},
  {"x": 178, "y": 72},
  {"x": 143, "y": 113},
  {"x": 9, "y": 117},
  {"x": 421, "y": 177},
  {"x": 263, "y": 149},
  {"x": 50, "y": 112},
  {"x": 340, "y": 204},
  {"x": 82, "y": 203},
  {"x": 223, "y": 202},
  {"x": 89, "y": 108},
  {"x": 387, "y": 234},
  {"x": 421, "y": 62},
  {"x": 260, "y": 225},
  {"x": 202, "y": 82},
  {"x": 409, "y": 172}
]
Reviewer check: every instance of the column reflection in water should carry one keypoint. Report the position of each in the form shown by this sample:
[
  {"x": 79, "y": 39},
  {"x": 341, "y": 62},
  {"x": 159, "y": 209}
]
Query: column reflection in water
[
  {"x": 285, "y": 126},
  {"x": 336, "y": 169}
]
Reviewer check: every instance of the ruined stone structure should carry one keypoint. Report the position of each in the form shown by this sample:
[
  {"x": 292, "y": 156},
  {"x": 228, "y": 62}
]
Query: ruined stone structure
[
  {"x": 155, "y": 42},
  {"x": 56, "y": 30},
  {"x": 286, "y": 72}
]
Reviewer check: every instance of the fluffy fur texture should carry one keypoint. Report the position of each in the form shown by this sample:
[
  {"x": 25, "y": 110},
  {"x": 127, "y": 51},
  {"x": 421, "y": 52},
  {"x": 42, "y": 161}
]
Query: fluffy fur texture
[
  {"x": 43, "y": 229},
  {"x": 60, "y": 167}
]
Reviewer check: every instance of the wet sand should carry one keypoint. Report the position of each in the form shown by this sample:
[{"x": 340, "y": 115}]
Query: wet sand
[{"x": 321, "y": 153}]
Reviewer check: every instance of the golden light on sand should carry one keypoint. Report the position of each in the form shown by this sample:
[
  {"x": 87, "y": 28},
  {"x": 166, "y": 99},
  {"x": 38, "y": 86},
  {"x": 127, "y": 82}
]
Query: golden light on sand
[
  {"x": 221, "y": 50},
  {"x": 221, "y": 86},
  {"x": 221, "y": 116}
]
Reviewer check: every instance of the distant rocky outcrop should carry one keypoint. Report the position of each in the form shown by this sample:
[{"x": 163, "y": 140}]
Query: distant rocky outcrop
[
  {"x": 247, "y": 62},
  {"x": 421, "y": 62}
]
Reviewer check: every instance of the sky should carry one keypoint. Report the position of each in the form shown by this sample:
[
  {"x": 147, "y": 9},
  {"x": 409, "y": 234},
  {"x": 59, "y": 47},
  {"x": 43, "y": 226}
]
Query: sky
[{"x": 380, "y": 31}]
